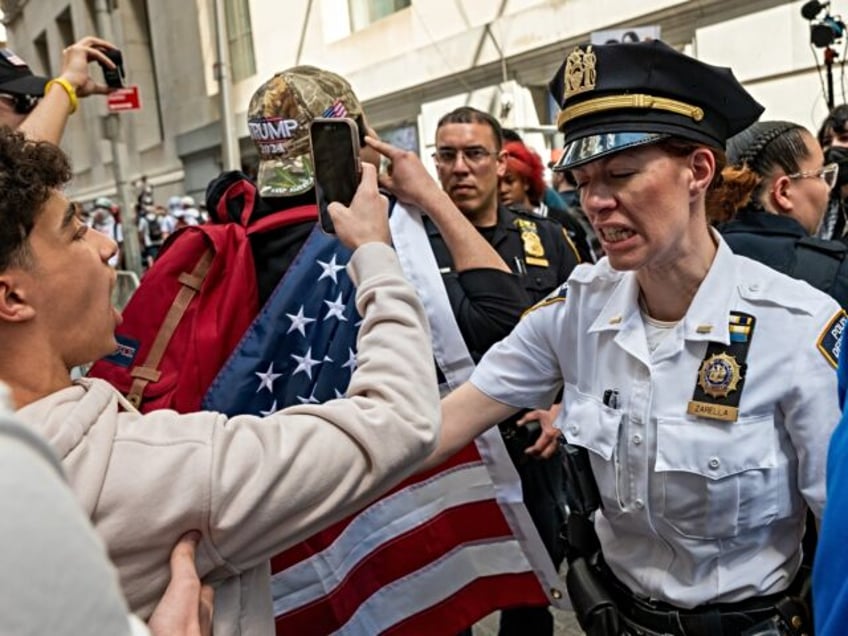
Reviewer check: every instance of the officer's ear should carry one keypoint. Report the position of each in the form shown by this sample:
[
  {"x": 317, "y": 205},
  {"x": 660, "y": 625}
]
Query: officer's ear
[
  {"x": 14, "y": 304},
  {"x": 501, "y": 164},
  {"x": 703, "y": 166},
  {"x": 779, "y": 193}
]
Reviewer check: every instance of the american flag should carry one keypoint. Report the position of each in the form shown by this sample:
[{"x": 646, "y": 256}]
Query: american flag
[
  {"x": 337, "y": 109},
  {"x": 434, "y": 555}
]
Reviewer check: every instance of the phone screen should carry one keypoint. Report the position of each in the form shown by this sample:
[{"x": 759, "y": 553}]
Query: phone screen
[{"x": 335, "y": 158}]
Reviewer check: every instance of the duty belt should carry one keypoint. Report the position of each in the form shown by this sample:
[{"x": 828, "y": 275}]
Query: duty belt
[{"x": 717, "y": 619}]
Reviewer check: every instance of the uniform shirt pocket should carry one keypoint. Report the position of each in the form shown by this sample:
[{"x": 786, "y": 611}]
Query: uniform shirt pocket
[
  {"x": 718, "y": 478},
  {"x": 586, "y": 421}
]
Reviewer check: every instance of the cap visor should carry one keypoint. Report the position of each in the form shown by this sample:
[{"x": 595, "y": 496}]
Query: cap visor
[
  {"x": 284, "y": 177},
  {"x": 28, "y": 85},
  {"x": 595, "y": 147}
]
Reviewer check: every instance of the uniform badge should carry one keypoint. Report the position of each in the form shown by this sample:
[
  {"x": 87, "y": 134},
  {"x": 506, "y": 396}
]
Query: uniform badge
[
  {"x": 534, "y": 251},
  {"x": 719, "y": 375},
  {"x": 580, "y": 74}
]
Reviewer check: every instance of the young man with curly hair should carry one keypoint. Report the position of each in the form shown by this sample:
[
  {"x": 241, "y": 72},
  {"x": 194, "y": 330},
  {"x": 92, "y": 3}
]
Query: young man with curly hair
[{"x": 248, "y": 484}]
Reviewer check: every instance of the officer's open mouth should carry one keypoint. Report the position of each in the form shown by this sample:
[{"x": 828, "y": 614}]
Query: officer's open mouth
[{"x": 615, "y": 234}]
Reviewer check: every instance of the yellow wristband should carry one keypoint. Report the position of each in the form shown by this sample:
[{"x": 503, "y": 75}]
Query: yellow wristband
[{"x": 69, "y": 89}]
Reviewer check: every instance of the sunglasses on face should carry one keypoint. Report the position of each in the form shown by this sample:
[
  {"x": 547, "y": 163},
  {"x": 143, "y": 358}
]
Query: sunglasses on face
[{"x": 23, "y": 104}]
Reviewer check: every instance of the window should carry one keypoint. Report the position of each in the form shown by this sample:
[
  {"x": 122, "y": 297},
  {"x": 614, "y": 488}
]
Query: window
[
  {"x": 240, "y": 38},
  {"x": 365, "y": 12},
  {"x": 40, "y": 44}
]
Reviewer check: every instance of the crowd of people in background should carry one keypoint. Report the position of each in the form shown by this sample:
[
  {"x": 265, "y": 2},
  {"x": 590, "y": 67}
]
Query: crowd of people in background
[
  {"x": 586, "y": 299},
  {"x": 153, "y": 221}
]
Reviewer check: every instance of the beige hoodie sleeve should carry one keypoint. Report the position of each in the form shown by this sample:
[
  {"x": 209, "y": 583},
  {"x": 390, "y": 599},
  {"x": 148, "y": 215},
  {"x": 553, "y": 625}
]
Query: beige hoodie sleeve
[{"x": 255, "y": 486}]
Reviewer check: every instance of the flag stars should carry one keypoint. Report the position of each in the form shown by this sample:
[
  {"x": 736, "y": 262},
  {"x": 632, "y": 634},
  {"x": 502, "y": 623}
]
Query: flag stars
[
  {"x": 270, "y": 411},
  {"x": 310, "y": 400},
  {"x": 337, "y": 308},
  {"x": 305, "y": 363},
  {"x": 299, "y": 322},
  {"x": 331, "y": 270},
  {"x": 266, "y": 380},
  {"x": 351, "y": 360}
]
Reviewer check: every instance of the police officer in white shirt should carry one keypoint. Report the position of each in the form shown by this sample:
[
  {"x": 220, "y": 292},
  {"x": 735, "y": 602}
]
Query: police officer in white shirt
[{"x": 700, "y": 384}]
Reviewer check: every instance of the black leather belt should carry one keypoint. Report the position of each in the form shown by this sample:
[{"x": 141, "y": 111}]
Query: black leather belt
[{"x": 716, "y": 619}]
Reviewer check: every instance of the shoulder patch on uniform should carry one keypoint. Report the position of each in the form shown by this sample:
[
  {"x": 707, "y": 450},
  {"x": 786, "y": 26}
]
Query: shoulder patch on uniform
[
  {"x": 556, "y": 296},
  {"x": 830, "y": 339}
]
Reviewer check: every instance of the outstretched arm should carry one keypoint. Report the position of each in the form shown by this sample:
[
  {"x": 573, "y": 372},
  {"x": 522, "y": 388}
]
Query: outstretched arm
[{"x": 466, "y": 413}]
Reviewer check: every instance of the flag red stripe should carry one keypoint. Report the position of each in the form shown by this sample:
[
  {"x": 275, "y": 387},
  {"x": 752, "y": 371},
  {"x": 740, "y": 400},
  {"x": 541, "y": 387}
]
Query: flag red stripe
[
  {"x": 468, "y": 523},
  {"x": 322, "y": 540},
  {"x": 475, "y": 601}
]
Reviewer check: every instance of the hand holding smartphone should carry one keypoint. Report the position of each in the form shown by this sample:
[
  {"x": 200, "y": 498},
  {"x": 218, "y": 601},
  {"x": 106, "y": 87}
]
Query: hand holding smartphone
[
  {"x": 335, "y": 160},
  {"x": 114, "y": 77}
]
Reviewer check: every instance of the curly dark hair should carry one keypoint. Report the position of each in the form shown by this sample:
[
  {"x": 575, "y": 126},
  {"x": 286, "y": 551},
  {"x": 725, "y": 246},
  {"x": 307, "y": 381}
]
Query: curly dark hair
[{"x": 29, "y": 172}]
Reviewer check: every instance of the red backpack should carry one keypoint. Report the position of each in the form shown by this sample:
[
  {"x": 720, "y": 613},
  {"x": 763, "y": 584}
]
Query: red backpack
[{"x": 193, "y": 305}]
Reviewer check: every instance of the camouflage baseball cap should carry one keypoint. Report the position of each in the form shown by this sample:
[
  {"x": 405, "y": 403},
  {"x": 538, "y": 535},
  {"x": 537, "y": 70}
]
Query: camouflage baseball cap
[{"x": 278, "y": 121}]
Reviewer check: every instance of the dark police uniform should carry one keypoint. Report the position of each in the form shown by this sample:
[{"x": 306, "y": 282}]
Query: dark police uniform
[
  {"x": 487, "y": 304},
  {"x": 782, "y": 243}
]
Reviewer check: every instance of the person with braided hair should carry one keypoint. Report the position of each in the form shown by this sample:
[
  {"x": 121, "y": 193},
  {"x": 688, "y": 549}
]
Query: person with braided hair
[{"x": 776, "y": 193}]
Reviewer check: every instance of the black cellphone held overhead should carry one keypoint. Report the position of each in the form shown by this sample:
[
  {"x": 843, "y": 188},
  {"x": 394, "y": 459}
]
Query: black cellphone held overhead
[
  {"x": 335, "y": 159},
  {"x": 114, "y": 77}
]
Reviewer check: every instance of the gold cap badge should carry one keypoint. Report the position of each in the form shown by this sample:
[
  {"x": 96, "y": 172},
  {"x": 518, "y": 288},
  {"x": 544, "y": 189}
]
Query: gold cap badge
[{"x": 580, "y": 74}]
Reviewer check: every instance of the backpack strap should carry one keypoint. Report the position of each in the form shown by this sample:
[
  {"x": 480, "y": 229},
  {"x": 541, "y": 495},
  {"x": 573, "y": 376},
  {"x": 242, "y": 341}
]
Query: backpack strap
[
  {"x": 149, "y": 371},
  {"x": 283, "y": 218}
]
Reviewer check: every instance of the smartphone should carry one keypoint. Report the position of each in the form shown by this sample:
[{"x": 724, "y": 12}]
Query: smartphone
[
  {"x": 114, "y": 77},
  {"x": 335, "y": 159}
]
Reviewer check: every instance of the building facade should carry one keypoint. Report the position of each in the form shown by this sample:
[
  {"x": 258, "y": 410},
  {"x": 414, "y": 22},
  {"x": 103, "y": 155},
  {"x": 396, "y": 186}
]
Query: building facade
[{"x": 409, "y": 60}]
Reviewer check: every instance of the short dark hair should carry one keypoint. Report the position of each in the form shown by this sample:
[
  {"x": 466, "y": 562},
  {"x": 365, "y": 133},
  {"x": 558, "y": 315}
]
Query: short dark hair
[
  {"x": 29, "y": 172},
  {"x": 471, "y": 115},
  {"x": 834, "y": 123}
]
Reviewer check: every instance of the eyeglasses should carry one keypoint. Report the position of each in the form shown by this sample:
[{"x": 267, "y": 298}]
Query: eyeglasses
[
  {"x": 473, "y": 155},
  {"x": 23, "y": 104},
  {"x": 827, "y": 173}
]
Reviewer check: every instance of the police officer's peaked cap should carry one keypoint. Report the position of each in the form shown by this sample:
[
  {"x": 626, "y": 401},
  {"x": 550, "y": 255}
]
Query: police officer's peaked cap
[{"x": 616, "y": 96}]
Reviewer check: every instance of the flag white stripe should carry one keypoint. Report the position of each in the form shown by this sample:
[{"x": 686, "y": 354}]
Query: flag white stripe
[
  {"x": 502, "y": 473},
  {"x": 422, "y": 589},
  {"x": 420, "y": 268},
  {"x": 313, "y": 578}
]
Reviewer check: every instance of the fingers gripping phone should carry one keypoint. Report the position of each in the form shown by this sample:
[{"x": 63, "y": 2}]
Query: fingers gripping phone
[
  {"x": 335, "y": 159},
  {"x": 114, "y": 77}
]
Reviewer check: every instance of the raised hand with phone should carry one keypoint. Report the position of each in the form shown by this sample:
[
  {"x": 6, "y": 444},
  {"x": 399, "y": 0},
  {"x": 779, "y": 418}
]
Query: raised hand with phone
[
  {"x": 366, "y": 219},
  {"x": 60, "y": 97}
]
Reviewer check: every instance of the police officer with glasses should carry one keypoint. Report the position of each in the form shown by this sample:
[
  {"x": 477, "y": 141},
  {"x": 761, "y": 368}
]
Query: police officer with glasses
[{"x": 698, "y": 385}]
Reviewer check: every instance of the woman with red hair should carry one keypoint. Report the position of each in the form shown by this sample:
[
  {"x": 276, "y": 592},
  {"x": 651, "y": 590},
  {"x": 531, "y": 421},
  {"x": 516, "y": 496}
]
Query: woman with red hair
[{"x": 523, "y": 183}]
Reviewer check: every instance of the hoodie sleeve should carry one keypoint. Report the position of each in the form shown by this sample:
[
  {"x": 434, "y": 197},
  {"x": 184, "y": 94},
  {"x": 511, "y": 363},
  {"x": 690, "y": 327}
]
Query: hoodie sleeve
[{"x": 255, "y": 486}]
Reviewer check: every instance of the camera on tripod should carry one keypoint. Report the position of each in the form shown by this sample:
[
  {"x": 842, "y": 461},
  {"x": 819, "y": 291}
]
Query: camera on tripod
[{"x": 826, "y": 30}]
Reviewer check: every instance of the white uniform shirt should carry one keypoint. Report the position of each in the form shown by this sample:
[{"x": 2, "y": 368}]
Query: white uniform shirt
[{"x": 695, "y": 510}]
